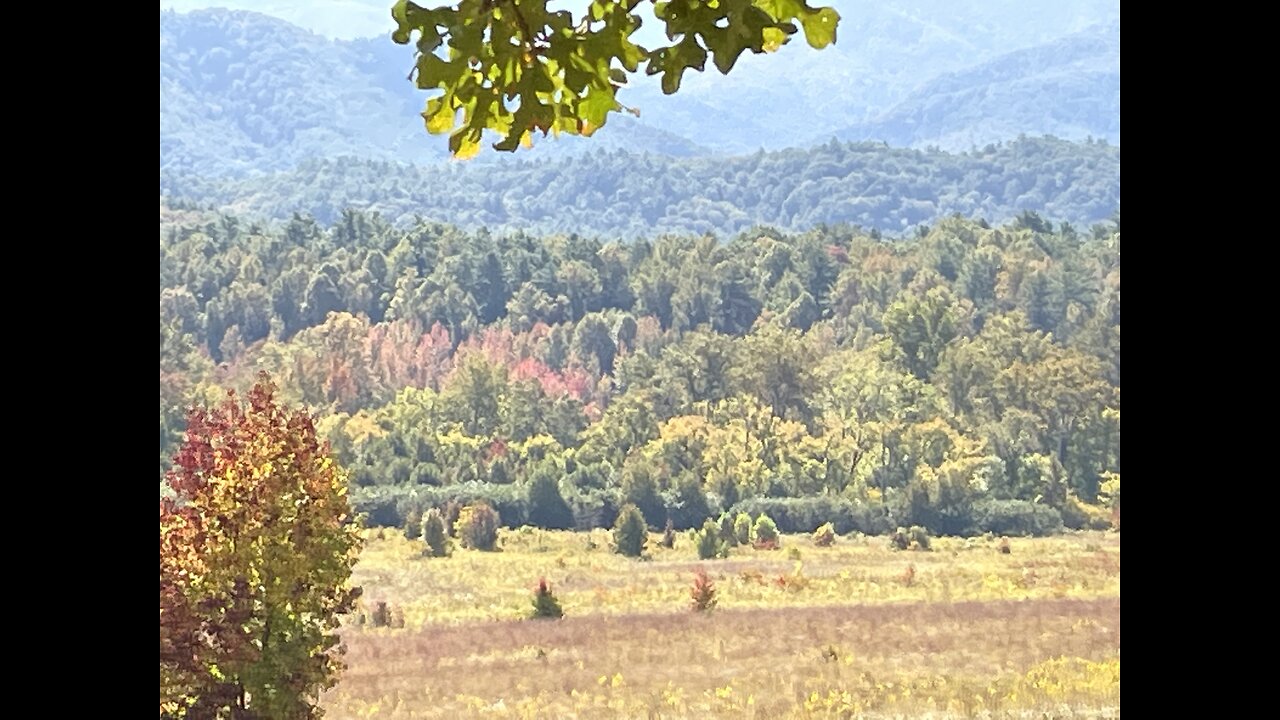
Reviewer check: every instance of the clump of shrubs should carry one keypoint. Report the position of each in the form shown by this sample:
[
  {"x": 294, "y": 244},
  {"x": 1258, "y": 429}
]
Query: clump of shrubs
[
  {"x": 708, "y": 541},
  {"x": 545, "y": 604},
  {"x": 703, "y": 593},
  {"x": 630, "y": 533},
  {"x": 764, "y": 534},
  {"x": 477, "y": 527},
  {"x": 386, "y": 615},
  {"x": 825, "y": 536},
  {"x": 915, "y": 538},
  {"x": 434, "y": 534}
]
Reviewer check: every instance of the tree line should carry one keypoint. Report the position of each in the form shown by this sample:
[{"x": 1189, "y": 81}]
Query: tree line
[
  {"x": 617, "y": 193},
  {"x": 963, "y": 378}
]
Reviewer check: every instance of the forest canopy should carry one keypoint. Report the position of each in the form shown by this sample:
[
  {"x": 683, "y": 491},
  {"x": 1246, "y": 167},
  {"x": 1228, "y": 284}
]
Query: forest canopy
[{"x": 963, "y": 378}]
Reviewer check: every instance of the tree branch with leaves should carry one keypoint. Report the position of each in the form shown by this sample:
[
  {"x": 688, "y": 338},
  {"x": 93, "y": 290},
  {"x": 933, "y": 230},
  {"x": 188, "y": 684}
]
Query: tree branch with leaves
[{"x": 515, "y": 66}]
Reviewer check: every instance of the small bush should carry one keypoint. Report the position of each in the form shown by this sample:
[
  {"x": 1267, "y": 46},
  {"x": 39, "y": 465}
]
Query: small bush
[
  {"x": 708, "y": 541},
  {"x": 412, "y": 525},
  {"x": 825, "y": 536},
  {"x": 703, "y": 593},
  {"x": 630, "y": 533},
  {"x": 919, "y": 537},
  {"x": 434, "y": 535},
  {"x": 742, "y": 529},
  {"x": 793, "y": 553},
  {"x": 669, "y": 535},
  {"x": 545, "y": 603},
  {"x": 477, "y": 527},
  {"x": 764, "y": 533},
  {"x": 381, "y": 615},
  {"x": 899, "y": 540}
]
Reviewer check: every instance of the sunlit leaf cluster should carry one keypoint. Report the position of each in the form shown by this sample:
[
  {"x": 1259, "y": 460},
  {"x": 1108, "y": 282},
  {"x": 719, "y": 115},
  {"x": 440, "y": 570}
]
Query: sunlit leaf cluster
[{"x": 516, "y": 66}]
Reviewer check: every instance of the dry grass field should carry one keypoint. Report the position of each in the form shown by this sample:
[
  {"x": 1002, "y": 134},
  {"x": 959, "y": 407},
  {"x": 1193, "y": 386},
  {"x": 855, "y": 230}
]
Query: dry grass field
[{"x": 853, "y": 630}]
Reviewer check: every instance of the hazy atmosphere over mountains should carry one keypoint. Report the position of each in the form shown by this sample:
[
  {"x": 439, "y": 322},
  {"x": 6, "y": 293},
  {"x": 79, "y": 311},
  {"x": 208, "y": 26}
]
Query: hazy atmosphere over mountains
[{"x": 244, "y": 93}]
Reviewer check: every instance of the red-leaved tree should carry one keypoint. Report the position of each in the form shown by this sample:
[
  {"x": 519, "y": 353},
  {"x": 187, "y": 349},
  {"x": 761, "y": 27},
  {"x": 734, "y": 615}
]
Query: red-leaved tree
[{"x": 256, "y": 550}]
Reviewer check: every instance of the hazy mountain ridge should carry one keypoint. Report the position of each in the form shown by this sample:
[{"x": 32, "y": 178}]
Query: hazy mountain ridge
[
  {"x": 241, "y": 91},
  {"x": 619, "y": 193},
  {"x": 1077, "y": 79}
]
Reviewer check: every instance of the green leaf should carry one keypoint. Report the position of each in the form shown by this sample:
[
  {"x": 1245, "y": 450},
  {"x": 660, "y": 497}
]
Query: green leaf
[
  {"x": 594, "y": 109},
  {"x": 820, "y": 27}
]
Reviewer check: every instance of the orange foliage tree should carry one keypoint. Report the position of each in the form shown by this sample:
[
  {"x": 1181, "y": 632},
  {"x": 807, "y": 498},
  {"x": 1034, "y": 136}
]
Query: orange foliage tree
[{"x": 257, "y": 544}]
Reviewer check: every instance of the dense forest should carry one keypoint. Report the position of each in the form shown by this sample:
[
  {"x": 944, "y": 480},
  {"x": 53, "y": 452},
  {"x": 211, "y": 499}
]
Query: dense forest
[
  {"x": 963, "y": 377},
  {"x": 622, "y": 194}
]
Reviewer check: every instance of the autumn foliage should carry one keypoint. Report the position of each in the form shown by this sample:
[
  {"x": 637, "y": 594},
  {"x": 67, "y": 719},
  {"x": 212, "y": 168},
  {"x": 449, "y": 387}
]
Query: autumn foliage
[{"x": 256, "y": 550}]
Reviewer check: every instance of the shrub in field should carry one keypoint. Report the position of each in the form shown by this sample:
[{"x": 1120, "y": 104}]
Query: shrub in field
[
  {"x": 452, "y": 509},
  {"x": 703, "y": 593},
  {"x": 434, "y": 535},
  {"x": 726, "y": 530},
  {"x": 825, "y": 536},
  {"x": 919, "y": 538},
  {"x": 669, "y": 535},
  {"x": 545, "y": 603},
  {"x": 742, "y": 529},
  {"x": 764, "y": 533},
  {"x": 413, "y": 525},
  {"x": 381, "y": 615},
  {"x": 708, "y": 541},
  {"x": 795, "y": 580},
  {"x": 915, "y": 538},
  {"x": 909, "y": 576},
  {"x": 630, "y": 533},
  {"x": 477, "y": 527}
]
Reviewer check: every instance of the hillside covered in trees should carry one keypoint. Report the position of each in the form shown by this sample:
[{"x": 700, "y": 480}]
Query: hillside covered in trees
[
  {"x": 965, "y": 377},
  {"x": 621, "y": 194}
]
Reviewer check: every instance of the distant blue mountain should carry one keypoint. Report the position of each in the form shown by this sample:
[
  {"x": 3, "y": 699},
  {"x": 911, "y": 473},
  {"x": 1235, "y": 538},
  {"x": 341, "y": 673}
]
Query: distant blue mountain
[{"x": 243, "y": 92}]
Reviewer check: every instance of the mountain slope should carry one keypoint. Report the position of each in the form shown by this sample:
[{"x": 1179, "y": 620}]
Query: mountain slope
[
  {"x": 1069, "y": 88},
  {"x": 619, "y": 193},
  {"x": 242, "y": 92}
]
